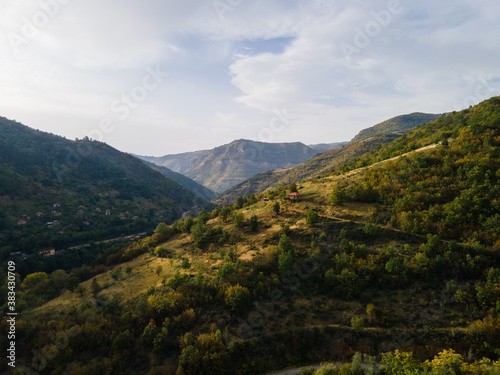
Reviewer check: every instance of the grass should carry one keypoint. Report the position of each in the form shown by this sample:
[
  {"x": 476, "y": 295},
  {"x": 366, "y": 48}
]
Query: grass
[{"x": 127, "y": 287}]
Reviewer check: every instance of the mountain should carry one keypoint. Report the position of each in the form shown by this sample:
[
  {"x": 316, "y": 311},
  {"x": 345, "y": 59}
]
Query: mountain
[
  {"x": 328, "y": 161},
  {"x": 228, "y": 165},
  {"x": 389, "y": 265},
  {"x": 49, "y": 179},
  {"x": 194, "y": 187},
  {"x": 398, "y": 124},
  {"x": 322, "y": 164}
]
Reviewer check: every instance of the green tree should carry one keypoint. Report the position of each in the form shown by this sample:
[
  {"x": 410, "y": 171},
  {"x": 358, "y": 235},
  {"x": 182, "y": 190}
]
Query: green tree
[
  {"x": 338, "y": 196},
  {"x": 276, "y": 208},
  {"x": 150, "y": 332},
  {"x": 240, "y": 202},
  {"x": 203, "y": 216},
  {"x": 312, "y": 218},
  {"x": 239, "y": 220},
  {"x": 122, "y": 341},
  {"x": 371, "y": 311},
  {"x": 185, "y": 263},
  {"x": 162, "y": 229},
  {"x": 188, "y": 223},
  {"x": 358, "y": 323},
  {"x": 33, "y": 280},
  {"x": 236, "y": 297},
  {"x": 285, "y": 244},
  {"x": 400, "y": 363},
  {"x": 285, "y": 262},
  {"x": 293, "y": 187},
  {"x": 446, "y": 362},
  {"x": 160, "y": 342},
  {"x": 254, "y": 223}
]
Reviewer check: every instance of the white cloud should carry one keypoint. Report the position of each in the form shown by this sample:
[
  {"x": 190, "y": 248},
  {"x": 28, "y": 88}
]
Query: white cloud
[{"x": 228, "y": 77}]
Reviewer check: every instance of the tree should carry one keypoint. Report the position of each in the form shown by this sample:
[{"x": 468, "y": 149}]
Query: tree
[
  {"x": 446, "y": 362},
  {"x": 34, "y": 280},
  {"x": 238, "y": 220},
  {"x": 236, "y": 296},
  {"x": 188, "y": 223},
  {"x": 150, "y": 332},
  {"x": 276, "y": 208},
  {"x": 358, "y": 323},
  {"x": 225, "y": 212},
  {"x": 185, "y": 263},
  {"x": 162, "y": 229},
  {"x": 203, "y": 216},
  {"x": 240, "y": 202},
  {"x": 285, "y": 245},
  {"x": 160, "y": 342},
  {"x": 285, "y": 262},
  {"x": 398, "y": 363},
  {"x": 338, "y": 195},
  {"x": 293, "y": 187},
  {"x": 95, "y": 287},
  {"x": 254, "y": 223},
  {"x": 122, "y": 341},
  {"x": 371, "y": 311},
  {"x": 312, "y": 218}
]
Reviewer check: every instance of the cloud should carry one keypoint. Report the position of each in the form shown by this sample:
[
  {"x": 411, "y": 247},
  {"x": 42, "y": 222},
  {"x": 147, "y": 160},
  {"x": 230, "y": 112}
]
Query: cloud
[{"x": 337, "y": 67}]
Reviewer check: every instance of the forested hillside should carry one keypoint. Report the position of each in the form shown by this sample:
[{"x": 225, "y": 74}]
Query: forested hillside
[
  {"x": 55, "y": 192},
  {"x": 389, "y": 265}
]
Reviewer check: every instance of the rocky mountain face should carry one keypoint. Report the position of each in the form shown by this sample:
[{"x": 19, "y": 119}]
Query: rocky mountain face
[{"x": 228, "y": 165}]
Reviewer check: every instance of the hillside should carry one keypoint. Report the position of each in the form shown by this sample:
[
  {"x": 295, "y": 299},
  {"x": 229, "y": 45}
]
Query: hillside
[
  {"x": 322, "y": 164},
  {"x": 225, "y": 166},
  {"x": 55, "y": 192},
  {"x": 395, "y": 255},
  {"x": 194, "y": 187},
  {"x": 398, "y": 124},
  {"x": 325, "y": 163}
]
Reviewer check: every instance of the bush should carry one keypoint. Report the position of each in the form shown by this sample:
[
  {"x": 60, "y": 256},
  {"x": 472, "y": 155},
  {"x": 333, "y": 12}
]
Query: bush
[
  {"x": 358, "y": 323},
  {"x": 236, "y": 297},
  {"x": 312, "y": 218}
]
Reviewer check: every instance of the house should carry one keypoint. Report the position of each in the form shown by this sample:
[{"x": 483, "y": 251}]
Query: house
[
  {"x": 80, "y": 213},
  {"x": 22, "y": 222},
  {"x": 39, "y": 214},
  {"x": 97, "y": 209},
  {"x": 295, "y": 197},
  {"x": 108, "y": 212},
  {"x": 56, "y": 222},
  {"x": 266, "y": 199}
]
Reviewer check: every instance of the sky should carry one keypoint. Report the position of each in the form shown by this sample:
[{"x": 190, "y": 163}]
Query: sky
[{"x": 160, "y": 77}]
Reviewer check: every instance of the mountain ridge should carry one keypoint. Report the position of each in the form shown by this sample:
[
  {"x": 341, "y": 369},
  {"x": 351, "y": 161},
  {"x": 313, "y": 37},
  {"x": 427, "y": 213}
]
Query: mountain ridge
[
  {"x": 227, "y": 165},
  {"x": 88, "y": 188},
  {"x": 326, "y": 162}
]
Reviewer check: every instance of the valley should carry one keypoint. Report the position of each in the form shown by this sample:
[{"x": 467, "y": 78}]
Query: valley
[{"x": 389, "y": 262}]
